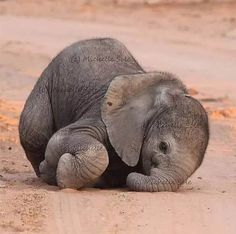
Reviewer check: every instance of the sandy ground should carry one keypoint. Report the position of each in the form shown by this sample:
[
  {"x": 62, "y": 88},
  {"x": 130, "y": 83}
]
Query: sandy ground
[{"x": 196, "y": 42}]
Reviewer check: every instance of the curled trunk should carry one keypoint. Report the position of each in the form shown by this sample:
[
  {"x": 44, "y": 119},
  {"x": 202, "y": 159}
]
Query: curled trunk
[{"x": 159, "y": 180}]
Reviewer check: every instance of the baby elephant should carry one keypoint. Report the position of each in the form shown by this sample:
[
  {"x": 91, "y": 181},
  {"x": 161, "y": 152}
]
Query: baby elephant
[{"x": 96, "y": 117}]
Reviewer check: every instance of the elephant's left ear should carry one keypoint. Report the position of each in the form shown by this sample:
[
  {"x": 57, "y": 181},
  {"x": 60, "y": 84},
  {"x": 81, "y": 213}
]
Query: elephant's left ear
[{"x": 128, "y": 103}]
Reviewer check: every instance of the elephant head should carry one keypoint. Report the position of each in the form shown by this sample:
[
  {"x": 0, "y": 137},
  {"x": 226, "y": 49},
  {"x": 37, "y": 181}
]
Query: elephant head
[{"x": 150, "y": 117}]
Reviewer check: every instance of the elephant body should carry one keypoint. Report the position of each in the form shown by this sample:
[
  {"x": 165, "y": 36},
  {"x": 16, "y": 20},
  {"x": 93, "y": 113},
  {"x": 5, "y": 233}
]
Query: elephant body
[{"x": 68, "y": 127}]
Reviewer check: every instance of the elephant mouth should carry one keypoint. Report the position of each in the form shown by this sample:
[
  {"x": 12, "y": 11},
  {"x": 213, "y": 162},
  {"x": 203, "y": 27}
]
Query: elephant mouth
[
  {"x": 155, "y": 161},
  {"x": 160, "y": 161}
]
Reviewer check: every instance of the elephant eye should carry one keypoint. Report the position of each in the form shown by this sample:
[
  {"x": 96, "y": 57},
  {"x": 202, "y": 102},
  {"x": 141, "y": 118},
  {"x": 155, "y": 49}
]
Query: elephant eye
[{"x": 163, "y": 146}]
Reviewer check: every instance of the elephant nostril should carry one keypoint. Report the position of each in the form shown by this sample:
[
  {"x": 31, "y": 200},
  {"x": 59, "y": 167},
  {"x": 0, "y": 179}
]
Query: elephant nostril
[{"x": 109, "y": 103}]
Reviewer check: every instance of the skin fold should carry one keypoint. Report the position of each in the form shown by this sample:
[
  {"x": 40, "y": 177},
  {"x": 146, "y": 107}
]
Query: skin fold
[{"x": 95, "y": 117}]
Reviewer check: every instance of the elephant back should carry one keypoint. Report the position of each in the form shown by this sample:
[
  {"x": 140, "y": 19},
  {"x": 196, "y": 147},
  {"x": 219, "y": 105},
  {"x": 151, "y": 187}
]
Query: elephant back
[{"x": 80, "y": 75}]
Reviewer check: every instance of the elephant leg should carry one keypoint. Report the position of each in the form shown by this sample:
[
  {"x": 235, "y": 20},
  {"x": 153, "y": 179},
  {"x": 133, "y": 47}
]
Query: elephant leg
[
  {"x": 36, "y": 127},
  {"x": 73, "y": 159}
]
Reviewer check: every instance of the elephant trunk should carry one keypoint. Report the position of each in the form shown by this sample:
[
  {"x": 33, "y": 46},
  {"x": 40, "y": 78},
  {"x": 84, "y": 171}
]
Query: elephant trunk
[{"x": 165, "y": 179}]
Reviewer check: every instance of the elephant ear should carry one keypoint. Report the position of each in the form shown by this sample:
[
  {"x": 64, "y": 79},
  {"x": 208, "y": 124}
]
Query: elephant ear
[{"x": 129, "y": 101}]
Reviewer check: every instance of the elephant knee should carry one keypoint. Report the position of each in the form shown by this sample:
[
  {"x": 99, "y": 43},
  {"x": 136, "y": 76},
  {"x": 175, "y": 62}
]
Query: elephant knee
[{"x": 55, "y": 148}]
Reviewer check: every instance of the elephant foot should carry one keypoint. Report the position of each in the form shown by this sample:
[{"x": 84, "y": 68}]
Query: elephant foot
[
  {"x": 82, "y": 169},
  {"x": 47, "y": 173}
]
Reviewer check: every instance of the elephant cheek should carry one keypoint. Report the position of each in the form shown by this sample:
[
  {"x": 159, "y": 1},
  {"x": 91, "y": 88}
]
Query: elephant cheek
[
  {"x": 148, "y": 163},
  {"x": 147, "y": 166}
]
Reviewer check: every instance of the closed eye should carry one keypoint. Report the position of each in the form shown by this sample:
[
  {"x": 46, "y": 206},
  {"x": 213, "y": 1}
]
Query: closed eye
[{"x": 163, "y": 147}]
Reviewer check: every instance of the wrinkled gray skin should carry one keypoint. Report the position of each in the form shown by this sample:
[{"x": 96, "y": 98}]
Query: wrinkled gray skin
[{"x": 96, "y": 117}]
